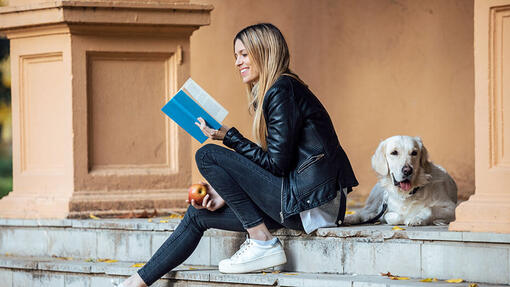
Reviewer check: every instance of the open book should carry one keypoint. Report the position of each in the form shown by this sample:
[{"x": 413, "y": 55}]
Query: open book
[{"x": 190, "y": 103}]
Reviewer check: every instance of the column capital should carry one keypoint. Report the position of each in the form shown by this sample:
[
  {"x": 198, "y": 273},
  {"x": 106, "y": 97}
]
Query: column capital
[{"x": 108, "y": 15}]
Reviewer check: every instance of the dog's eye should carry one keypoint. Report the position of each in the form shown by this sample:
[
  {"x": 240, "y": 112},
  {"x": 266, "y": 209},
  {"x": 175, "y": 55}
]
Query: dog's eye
[
  {"x": 394, "y": 152},
  {"x": 413, "y": 153}
]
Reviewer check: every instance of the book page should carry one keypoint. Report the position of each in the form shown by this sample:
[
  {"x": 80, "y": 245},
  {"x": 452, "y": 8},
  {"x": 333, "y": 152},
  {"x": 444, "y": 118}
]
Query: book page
[{"x": 207, "y": 102}]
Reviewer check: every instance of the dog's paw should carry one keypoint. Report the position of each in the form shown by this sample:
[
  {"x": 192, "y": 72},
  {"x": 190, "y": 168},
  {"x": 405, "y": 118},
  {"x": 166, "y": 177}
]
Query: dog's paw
[
  {"x": 440, "y": 222},
  {"x": 415, "y": 221},
  {"x": 393, "y": 218}
]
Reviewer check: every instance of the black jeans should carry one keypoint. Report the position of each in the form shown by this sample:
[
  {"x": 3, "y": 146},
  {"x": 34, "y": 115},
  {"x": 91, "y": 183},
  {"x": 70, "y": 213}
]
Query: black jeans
[{"x": 252, "y": 195}]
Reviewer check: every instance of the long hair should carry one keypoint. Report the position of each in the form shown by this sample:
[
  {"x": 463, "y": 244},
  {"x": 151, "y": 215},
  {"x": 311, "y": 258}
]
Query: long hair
[{"x": 268, "y": 52}]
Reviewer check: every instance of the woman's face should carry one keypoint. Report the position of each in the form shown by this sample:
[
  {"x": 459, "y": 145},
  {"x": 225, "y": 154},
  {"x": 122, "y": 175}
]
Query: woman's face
[{"x": 249, "y": 72}]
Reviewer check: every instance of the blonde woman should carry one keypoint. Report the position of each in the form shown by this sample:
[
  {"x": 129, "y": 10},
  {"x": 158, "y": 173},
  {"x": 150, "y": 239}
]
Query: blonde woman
[{"x": 296, "y": 176}]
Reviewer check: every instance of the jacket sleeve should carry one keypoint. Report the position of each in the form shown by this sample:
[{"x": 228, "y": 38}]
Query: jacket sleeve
[{"x": 283, "y": 124}]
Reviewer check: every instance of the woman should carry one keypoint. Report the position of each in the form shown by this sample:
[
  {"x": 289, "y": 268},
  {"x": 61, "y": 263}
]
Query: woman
[{"x": 293, "y": 177}]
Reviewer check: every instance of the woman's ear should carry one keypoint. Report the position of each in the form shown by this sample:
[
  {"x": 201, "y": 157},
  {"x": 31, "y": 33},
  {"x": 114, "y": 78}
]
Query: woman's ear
[{"x": 379, "y": 163}]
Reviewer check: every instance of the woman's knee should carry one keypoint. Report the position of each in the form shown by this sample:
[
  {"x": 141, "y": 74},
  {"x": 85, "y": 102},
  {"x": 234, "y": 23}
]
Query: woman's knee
[{"x": 202, "y": 153}]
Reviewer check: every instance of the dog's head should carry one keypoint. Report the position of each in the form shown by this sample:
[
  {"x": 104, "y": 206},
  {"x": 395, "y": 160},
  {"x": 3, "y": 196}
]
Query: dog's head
[{"x": 403, "y": 159}]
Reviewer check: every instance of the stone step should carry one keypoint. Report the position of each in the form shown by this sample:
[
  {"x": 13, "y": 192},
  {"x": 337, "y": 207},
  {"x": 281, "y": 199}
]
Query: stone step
[
  {"x": 418, "y": 252},
  {"x": 48, "y": 271}
]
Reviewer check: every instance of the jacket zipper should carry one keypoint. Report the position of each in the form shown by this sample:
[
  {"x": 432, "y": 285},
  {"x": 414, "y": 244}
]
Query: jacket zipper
[
  {"x": 313, "y": 159},
  {"x": 281, "y": 203}
]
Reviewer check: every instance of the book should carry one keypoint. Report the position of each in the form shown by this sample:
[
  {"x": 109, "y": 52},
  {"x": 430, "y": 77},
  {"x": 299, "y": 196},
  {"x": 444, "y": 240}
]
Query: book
[{"x": 190, "y": 103}]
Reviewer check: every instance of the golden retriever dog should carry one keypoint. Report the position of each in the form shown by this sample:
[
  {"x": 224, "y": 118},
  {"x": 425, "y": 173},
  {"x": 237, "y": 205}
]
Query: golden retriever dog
[{"x": 411, "y": 190}]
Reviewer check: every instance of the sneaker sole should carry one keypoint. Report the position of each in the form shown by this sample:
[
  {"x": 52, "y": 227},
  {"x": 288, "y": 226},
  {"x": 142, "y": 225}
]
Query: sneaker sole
[{"x": 257, "y": 265}]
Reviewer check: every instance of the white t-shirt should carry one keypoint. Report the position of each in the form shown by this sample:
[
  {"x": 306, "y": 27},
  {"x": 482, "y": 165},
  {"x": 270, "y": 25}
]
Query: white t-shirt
[{"x": 322, "y": 216}]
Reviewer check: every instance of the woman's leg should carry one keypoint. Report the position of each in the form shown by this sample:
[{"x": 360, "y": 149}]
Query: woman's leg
[
  {"x": 183, "y": 241},
  {"x": 250, "y": 190}
]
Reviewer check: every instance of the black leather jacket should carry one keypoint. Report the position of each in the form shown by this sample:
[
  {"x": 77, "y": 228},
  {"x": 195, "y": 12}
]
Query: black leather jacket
[{"x": 302, "y": 148}]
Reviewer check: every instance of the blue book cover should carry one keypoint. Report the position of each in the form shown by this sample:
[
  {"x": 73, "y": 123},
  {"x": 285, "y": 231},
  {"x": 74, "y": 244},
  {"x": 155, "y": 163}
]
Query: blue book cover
[{"x": 185, "y": 112}]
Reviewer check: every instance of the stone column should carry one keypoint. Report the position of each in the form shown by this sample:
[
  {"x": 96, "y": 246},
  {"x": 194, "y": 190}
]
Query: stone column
[
  {"x": 488, "y": 210},
  {"x": 88, "y": 81}
]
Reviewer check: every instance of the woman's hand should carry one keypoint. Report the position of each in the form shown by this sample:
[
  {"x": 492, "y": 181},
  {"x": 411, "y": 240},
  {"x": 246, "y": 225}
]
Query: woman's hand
[
  {"x": 212, "y": 201},
  {"x": 212, "y": 133}
]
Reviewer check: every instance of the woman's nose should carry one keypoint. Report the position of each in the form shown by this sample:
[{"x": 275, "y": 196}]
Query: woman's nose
[{"x": 238, "y": 61}]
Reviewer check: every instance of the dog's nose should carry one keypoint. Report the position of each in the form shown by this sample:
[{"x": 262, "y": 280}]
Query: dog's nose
[{"x": 407, "y": 170}]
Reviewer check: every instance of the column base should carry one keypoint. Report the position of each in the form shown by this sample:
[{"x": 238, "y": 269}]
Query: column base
[
  {"x": 483, "y": 214},
  {"x": 33, "y": 206},
  {"x": 126, "y": 203}
]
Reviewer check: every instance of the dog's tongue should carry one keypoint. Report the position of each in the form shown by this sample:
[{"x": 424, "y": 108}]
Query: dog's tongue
[{"x": 405, "y": 185}]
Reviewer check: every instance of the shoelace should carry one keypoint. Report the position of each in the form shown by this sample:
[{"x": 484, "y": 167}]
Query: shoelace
[{"x": 242, "y": 249}]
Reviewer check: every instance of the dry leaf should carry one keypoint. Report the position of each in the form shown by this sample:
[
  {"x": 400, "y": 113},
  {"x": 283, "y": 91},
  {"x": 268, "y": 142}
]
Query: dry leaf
[
  {"x": 456, "y": 280},
  {"x": 90, "y": 260},
  {"x": 138, "y": 265},
  {"x": 192, "y": 268},
  {"x": 163, "y": 221},
  {"x": 387, "y": 274},
  {"x": 107, "y": 260},
  {"x": 397, "y": 228},
  {"x": 7, "y": 254},
  {"x": 473, "y": 285},
  {"x": 149, "y": 220},
  {"x": 350, "y": 212},
  {"x": 429, "y": 280},
  {"x": 290, "y": 273},
  {"x": 93, "y": 216},
  {"x": 275, "y": 272},
  {"x": 398, "y": 278}
]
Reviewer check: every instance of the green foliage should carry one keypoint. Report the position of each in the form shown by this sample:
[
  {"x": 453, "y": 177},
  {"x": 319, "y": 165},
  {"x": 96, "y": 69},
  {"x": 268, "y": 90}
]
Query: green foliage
[{"x": 5, "y": 92}]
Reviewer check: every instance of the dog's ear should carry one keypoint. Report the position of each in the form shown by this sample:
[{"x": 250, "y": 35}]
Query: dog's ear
[
  {"x": 379, "y": 163},
  {"x": 424, "y": 154}
]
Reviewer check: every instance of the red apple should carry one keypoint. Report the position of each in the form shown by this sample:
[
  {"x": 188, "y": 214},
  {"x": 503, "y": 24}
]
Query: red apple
[{"x": 197, "y": 192}]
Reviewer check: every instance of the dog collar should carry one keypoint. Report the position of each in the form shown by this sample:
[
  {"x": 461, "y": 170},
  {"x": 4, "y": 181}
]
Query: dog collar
[{"x": 414, "y": 190}]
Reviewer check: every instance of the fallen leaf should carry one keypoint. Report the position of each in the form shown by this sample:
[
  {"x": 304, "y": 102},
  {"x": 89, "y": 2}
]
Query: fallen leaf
[
  {"x": 107, "y": 260},
  {"x": 387, "y": 274},
  {"x": 473, "y": 285},
  {"x": 398, "y": 278},
  {"x": 163, "y": 221},
  {"x": 377, "y": 223},
  {"x": 290, "y": 273},
  {"x": 7, "y": 254},
  {"x": 397, "y": 228},
  {"x": 93, "y": 216},
  {"x": 149, "y": 220},
  {"x": 138, "y": 265},
  {"x": 264, "y": 273},
  {"x": 276, "y": 272},
  {"x": 456, "y": 280},
  {"x": 90, "y": 260},
  {"x": 173, "y": 216},
  {"x": 429, "y": 280},
  {"x": 192, "y": 268},
  {"x": 350, "y": 212}
]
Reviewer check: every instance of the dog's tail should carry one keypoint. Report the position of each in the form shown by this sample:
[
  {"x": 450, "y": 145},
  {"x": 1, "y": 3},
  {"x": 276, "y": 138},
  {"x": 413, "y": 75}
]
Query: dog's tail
[{"x": 374, "y": 209}]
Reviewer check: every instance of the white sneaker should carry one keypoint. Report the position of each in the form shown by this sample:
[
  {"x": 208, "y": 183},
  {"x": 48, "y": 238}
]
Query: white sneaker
[{"x": 252, "y": 257}]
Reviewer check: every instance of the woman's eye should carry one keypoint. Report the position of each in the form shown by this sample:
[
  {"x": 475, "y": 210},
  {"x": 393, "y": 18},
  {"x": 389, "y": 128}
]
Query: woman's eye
[
  {"x": 394, "y": 152},
  {"x": 413, "y": 153}
]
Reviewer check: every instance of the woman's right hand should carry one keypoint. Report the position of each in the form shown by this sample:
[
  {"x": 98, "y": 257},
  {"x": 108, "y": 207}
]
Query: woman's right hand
[{"x": 212, "y": 201}]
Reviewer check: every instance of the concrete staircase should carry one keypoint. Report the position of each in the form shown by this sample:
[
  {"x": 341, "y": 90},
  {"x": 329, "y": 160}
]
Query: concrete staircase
[{"x": 67, "y": 253}]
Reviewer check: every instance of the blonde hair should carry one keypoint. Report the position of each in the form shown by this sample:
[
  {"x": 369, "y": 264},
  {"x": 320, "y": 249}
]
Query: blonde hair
[{"x": 268, "y": 52}]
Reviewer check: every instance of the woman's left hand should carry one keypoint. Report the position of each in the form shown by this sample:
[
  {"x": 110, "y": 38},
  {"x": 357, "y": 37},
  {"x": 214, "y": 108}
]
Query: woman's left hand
[{"x": 212, "y": 133}]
